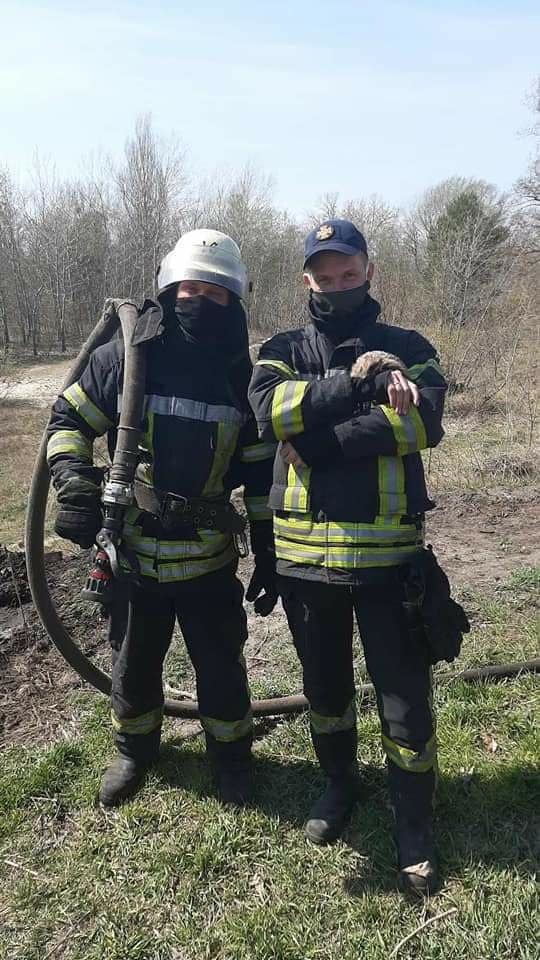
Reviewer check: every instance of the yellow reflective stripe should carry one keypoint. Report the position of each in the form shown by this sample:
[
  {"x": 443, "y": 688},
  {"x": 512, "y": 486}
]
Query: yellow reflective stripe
[
  {"x": 409, "y": 430},
  {"x": 227, "y": 438},
  {"x": 416, "y": 762},
  {"x": 322, "y": 724},
  {"x": 258, "y": 451},
  {"x": 346, "y": 546},
  {"x": 145, "y": 723},
  {"x": 296, "y": 497},
  {"x": 357, "y": 558},
  {"x": 279, "y": 365},
  {"x": 392, "y": 498},
  {"x": 211, "y": 542},
  {"x": 69, "y": 441},
  {"x": 80, "y": 401},
  {"x": 287, "y": 419},
  {"x": 415, "y": 372},
  {"x": 420, "y": 430},
  {"x": 403, "y": 429},
  {"x": 228, "y": 730},
  {"x": 257, "y": 508},
  {"x": 145, "y": 471},
  {"x": 164, "y": 572},
  {"x": 382, "y": 530}
]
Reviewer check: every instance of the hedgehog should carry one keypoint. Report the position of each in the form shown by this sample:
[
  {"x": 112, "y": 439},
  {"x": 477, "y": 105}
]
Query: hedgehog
[{"x": 375, "y": 361}]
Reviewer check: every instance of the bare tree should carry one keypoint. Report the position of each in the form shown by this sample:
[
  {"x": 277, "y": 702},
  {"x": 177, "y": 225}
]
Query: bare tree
[
  {"x": 21, "y": 290},
  {"x": 149, "y": 187}
]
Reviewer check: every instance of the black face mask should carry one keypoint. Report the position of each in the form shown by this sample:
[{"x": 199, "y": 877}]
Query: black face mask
[
  {"x": 339, "y": 303},
  {"x": 337, "y": 310},
  {"x": 219, "y": 327}
]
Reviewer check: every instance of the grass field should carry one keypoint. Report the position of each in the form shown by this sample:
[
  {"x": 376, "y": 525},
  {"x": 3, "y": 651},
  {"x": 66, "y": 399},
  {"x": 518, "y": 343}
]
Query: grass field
[{"x": 174, "y": 876}]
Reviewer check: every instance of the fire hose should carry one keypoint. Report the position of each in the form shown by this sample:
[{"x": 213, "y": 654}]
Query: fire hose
[{"x": 116, "y": 497}]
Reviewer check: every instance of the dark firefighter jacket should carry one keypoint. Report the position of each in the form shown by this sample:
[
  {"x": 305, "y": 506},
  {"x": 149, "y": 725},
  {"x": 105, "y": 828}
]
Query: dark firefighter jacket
[
  {"x": 357, "y": 507},
  {"x": 199, "y": 439}
]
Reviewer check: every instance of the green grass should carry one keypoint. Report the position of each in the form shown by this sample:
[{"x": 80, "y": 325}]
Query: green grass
[{"x": 174, "y": 876}]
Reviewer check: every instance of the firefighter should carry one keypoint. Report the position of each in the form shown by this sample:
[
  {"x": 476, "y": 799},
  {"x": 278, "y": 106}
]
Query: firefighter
[
  {"x": 199, "y": 441},
  {"x": 349, "y": 499}
]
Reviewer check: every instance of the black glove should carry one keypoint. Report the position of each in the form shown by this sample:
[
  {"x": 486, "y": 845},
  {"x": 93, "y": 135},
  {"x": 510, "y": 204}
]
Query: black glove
[
  {"x": 437, "y": 620},
  {"x": 263, "y": 585},
  {"x": 79, "y": 524},
  {"x": 79, "y": 516}
]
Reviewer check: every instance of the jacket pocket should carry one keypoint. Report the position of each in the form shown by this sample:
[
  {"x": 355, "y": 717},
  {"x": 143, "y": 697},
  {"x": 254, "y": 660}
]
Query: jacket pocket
[{"x": 293, "y": 496}]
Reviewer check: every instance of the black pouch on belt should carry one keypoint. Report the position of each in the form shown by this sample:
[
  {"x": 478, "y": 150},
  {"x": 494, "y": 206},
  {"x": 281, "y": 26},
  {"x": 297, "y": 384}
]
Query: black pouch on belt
[
  {"x": 430, "y": 609},
  {"x": 174, "y": 511}
]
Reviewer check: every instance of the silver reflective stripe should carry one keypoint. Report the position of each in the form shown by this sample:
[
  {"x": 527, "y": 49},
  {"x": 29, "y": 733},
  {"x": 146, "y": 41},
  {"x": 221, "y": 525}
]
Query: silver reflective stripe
[
  {"x": 258, "y": 451},
  {"x": 142, "y": 724},
  {"x": 297, "y": 497},
  {"x": 334, "y": 532},
  {"x": 323, "y": 724},
  {"x": 416, "y": 761},
  {"x": 410, "y": 433},
  {"x": 392, "y": 471},
  {"x": 228, "y": 730},
  {"x": 71, "y": 442},
  {"x": 290, "y": 407},
  {"x": 212, "y": 542},
  {"x": 189, "y": 409},
  {"x": 171, "y": 572},
  {"x": 354, "y": 558}
]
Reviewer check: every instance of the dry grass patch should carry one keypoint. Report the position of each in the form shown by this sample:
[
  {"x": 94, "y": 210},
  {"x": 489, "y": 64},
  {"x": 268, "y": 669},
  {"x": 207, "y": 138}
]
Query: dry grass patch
[{"x": 22, "y": 428}]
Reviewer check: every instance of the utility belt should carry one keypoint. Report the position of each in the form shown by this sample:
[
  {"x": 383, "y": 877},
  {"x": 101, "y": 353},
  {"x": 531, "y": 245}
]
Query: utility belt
[
  {"x": 432, "y": 615},
  {"x": 175, "y": 511}
]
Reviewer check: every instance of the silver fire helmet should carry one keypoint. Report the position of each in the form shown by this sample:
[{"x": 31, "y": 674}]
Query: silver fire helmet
[{"x": 207, "y": 255}]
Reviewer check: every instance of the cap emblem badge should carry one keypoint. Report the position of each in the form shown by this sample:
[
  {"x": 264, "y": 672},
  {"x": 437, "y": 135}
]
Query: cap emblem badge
[{"x": 325, "y": 232}]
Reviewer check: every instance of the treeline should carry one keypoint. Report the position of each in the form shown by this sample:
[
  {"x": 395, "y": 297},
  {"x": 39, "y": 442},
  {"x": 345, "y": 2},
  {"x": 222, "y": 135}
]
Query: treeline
[{"x": 461, "y": 264}]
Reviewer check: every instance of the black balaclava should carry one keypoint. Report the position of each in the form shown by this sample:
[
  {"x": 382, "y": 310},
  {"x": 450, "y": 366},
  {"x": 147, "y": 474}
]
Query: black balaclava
[
  {"x": 219, "y": 328},
  {"x": 340, "y": 313}
]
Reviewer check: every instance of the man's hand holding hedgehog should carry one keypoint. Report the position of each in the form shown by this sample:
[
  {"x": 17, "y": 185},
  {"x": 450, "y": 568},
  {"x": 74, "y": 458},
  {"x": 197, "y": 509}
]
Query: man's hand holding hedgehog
[{"x": 401, "y": 392}]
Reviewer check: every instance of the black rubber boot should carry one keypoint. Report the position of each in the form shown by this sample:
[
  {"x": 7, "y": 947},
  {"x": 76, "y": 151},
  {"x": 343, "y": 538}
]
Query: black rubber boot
[
  {"x": 332, "y": 812},
  {"x": 121, "y": 780},
  {"x": 127, "y": 772},
  {"x": 412, "y": 802},
  {"x": 418, "y": 872},
  {"x": 232, "y": 770}
]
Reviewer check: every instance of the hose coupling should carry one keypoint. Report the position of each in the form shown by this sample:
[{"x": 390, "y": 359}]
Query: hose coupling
[{"x": 118, "y": 494}]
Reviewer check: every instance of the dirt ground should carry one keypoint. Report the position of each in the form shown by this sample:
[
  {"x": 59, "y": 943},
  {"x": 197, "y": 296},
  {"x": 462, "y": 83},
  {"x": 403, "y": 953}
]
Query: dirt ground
[
  {"x": 38, "y": 385},
  {"x": 481, "y": 538}
]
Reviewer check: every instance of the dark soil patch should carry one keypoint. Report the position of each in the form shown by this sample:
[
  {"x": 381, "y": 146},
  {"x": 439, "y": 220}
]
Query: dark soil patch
[
  {"x": 35, "y": 701},
  {"x": 481, "y": 538}
]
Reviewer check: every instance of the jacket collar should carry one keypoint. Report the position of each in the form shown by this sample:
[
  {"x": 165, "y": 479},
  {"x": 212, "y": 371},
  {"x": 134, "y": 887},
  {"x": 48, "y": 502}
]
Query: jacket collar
[
  {"x": 367, "y": 318},
  {"x": 150, "y": 324}
]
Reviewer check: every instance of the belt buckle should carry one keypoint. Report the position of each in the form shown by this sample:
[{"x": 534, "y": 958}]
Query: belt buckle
[{"x": 167, "y": 506}]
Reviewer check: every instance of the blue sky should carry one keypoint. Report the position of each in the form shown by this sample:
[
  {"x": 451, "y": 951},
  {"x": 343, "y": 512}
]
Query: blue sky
[{"x": 359, "y": 98}]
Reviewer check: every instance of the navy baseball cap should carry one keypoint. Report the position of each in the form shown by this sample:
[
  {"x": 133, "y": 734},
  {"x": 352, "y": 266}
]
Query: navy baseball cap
[{"x": 340, "y": 235}]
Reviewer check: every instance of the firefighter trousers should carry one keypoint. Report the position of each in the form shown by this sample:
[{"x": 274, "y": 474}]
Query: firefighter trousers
[
  {"x": 212, "y": 620},
  {"x": 320, "y": 618}
]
